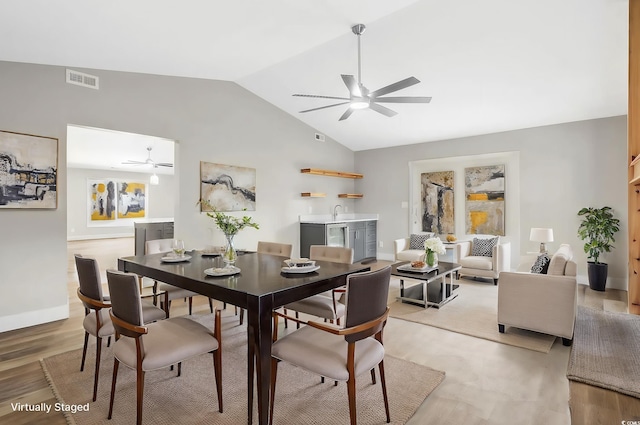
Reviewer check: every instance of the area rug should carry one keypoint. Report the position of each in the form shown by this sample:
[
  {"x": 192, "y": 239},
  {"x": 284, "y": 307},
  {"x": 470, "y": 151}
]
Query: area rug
[
  {"x": 473, "y": 312},
  {"x": 191, "y": 398},
  {"x": 606, "y": 350}
]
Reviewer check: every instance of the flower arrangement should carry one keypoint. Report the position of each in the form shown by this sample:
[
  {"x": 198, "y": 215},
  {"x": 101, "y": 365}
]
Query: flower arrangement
[
  {"x": 229, "y": 224},
  {"x": 434, "y": 245}
]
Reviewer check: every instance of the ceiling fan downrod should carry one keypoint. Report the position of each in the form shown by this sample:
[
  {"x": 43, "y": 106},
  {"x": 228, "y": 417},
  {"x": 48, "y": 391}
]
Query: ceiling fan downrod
[{"x": 359, "y": 30}]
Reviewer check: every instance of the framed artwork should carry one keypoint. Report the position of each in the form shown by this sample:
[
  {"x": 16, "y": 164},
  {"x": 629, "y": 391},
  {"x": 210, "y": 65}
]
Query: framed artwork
[
  {"x": 28, "y": 171},
  {"x": 102, "y": 200},
  {"x": 437, "y": 202},
  {"x": 227, "y": 187},
  {"x": 484, "y": 200},
  {"x": 131, "y": 199}
]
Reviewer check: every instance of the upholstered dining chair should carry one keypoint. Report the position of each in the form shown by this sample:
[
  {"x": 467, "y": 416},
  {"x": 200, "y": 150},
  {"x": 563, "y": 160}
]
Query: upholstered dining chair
[
  {"x": 323, "y": 305},
  {"x": 156, "y": 246},
  {"x": 96, "y": 321},
  {"x": 156, "y": 345},
  {"x": 342, "y": 354}
]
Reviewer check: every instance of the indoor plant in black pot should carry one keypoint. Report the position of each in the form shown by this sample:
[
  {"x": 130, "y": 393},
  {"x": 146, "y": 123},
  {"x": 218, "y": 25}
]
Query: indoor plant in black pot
[{"x": 597, "y": 229}]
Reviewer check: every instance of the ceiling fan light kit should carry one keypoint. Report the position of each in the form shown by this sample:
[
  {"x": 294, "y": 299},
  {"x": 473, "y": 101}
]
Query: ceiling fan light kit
[{"x": 361, "y": 98}]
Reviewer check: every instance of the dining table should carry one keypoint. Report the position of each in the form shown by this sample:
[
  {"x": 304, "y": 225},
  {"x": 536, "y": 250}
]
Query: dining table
[{"x": 260, "y": 286}]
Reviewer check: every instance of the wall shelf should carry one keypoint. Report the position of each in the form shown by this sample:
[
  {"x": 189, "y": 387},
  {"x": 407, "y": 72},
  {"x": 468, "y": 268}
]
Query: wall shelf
[
  {"x": 313, "y": 195},
  {"x": 350, "y": 195},
  {"x": 321, "y": 172}
]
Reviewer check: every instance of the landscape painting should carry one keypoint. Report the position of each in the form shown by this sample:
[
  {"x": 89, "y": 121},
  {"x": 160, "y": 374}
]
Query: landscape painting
[
  {"x": 227, "y": 187},
  {"x": 437, "y": 202},
  {"x": 131, "y": 199},
  {"x": 102, "y": 200},
  {"x": 484, "y": 200},
  {"x": 28, "y": 171}
]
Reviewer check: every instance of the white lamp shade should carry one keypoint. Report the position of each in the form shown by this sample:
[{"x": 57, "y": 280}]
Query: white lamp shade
[
  {"x": 154, "y": 179},
  {"x": 539, "y": 234}
]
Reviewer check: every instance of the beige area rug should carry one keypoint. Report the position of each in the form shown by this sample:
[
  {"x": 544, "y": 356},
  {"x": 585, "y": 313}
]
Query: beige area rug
[
  {"x": 473, "y": 312},
  {"x": 191, "y": 398},
  {"x": 605, "y": 351}
]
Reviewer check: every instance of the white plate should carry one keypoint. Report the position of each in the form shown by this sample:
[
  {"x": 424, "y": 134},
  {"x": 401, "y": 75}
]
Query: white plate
[
  {"x": 408, "y": 268},
  {"x": 309, "y": 263},
  {"x": 223, "y": 271},
  {"x": 308, "y": 269},
  {"x": 172, "y": 259}
]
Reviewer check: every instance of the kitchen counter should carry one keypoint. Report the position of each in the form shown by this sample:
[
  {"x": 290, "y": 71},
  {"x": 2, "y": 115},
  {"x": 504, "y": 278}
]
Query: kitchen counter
[{"x": 341, "y": 218}]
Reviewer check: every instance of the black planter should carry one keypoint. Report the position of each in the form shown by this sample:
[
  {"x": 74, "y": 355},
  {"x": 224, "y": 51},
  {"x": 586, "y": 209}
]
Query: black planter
[{"x": 597, "y": 275}]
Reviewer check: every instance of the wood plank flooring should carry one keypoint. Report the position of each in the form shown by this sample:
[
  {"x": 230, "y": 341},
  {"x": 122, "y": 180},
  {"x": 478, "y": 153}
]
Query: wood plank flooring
[{"x": 22, "y": 379}]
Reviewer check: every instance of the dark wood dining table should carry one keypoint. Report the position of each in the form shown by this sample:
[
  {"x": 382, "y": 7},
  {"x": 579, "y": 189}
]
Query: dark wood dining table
[{"x": 260, "y": 287}]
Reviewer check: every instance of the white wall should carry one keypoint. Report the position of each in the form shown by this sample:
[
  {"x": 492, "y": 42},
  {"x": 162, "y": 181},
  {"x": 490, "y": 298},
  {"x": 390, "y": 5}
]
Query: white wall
[
  {"x": 562, "y": 168},
  {"x": 160, "y": 200},
  {"x": 211, "y": 121}
]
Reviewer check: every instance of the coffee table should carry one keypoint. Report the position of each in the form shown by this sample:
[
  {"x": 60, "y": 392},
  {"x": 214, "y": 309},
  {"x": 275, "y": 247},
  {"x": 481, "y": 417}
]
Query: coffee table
[{"x": 433, "y": 289}]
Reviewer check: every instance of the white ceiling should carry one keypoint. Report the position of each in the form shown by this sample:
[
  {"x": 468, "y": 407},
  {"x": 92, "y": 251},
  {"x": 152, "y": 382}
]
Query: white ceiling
[{"x": 490, "y": 66}]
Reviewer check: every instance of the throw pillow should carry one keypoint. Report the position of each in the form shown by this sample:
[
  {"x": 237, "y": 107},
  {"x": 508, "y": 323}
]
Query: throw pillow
[
  {"x": 483, "y": 247},
  {"x": 541, "y": 265},
  {"x": 416, "y": 240}
]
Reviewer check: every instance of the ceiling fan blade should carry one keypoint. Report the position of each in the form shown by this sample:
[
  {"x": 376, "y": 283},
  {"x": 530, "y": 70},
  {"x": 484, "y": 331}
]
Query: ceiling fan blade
[
  {"x": 346, "y": 114},
  {"x": 382, "y": 109},
  {"x": 324, "y": 107},
  {"x": 320, "y": 96},
  {"x": 403, "y": 99},
  {"x": 403, "y": 84},
  {"x": 130, "y": 162},
  {"x": 352, "y": 85},
  {"x": 163, "y": 164}
]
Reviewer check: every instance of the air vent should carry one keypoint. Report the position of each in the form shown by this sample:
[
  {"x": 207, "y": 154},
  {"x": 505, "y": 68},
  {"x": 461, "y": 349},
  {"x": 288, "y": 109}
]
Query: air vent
[
  {"x": 82, "y": 79},
  {"x": 320, "y": 137}
]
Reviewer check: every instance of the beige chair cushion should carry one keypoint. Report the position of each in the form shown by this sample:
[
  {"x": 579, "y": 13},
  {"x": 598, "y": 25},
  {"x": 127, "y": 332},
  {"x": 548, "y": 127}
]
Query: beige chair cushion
[
  {"x": 335, "y": 254},
  {"x": 106, "y": 329},
  {"x": 325, "y": 354},
  {"x": 479, "y": 263},
  {"x": 559, "y": 260},
  {"x": 274, "y": 248},
  {"x": 318, "y": 305},
  {"x": 174, "y": 292},
  {"x": 151, "y": 313},
  {"x": 168, "y": 342}
]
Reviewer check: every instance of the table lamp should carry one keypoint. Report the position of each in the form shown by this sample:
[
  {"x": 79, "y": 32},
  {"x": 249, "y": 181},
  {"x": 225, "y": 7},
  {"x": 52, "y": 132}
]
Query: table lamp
[{"x": 539, "y": 234}]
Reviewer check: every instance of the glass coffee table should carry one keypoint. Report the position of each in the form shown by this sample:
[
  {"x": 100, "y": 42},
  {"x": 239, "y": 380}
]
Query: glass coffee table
[{"x": 435, "y": 287}]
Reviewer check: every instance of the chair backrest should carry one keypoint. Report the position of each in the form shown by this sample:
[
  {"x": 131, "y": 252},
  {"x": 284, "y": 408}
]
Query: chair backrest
[
  {"x": 335, "y": 254},
  {"x": 367, "y": 295},
  {"x": 125, "y": 297},
  {"x": 89, "y": 277},
  {"x": 157, "y": 246},
  {"x": 274, "y": 248}
]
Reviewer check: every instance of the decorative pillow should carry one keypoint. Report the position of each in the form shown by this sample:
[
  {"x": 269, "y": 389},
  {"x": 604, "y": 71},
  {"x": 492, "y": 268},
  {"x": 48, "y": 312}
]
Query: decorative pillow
[
  {"x": 483, "y": 247},
  {"x": 416, "y": 240},
  {"x": 541, "y": 265}
]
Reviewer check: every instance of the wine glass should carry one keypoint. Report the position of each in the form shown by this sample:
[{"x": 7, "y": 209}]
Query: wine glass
[{"x": 178, "y": 247}]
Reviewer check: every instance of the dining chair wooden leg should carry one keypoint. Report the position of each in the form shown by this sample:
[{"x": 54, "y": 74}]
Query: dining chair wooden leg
[
  {"x": 383, "y": 383},
  {"x": 109, "y": 341},
  {"x": 84, "y": 350},
  {"x": 116, "y": 363},
  {"x": 284, "y": 310},
  {"x": 373, "y": 376},
  {"x": 190, "y": 305},
  {"x": 179, "y": 368},
  {"x": 297, "y": 323},
  {"x": 241, "y": 315},
  {"x": 210, "y": 305},
  {"x": 139, "y": 394},
  {"x": 217, "y": 370},
  {"x": 274, "y": 375},
  {"x": 167, "y": 304},
  {"x": 97, "y": 372},
  {"x": 351, "y": 383}
]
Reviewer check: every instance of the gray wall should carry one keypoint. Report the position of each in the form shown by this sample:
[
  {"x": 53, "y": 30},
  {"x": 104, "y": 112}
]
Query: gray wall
[
  {"x": 211, "y": 121},
  {"x": 160, "y": 202},
  {"x": 562, "y": 168}
]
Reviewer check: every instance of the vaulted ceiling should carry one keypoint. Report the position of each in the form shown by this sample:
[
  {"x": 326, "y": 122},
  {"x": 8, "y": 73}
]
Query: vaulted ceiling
[{"x": 490, "y": 66}]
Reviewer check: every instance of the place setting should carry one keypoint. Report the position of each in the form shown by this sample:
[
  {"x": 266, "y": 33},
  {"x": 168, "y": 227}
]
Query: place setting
[
  {"x": 299, "y": 265},
  {"x": 177, "y": 254},
  {"x": 221, "y": 267}
]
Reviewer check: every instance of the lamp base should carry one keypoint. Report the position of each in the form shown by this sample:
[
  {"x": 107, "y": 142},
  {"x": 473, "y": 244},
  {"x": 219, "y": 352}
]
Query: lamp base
[{"x": 543, "y": 248}]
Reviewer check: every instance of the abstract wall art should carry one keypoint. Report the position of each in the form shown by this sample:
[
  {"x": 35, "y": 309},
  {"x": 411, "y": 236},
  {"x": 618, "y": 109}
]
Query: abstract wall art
[
  {"x": 227, "y": 187},
  {"x": 28, "y": 171},
  {"x": 102, "y": 200},
  {"x": 437, "y": 202},
  {"x": 131, "y": 199},
  {"x": 484, "y": 200}
]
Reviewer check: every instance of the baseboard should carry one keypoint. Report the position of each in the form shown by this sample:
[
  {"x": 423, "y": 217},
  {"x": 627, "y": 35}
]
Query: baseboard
[{"x": 32, "y": 318}]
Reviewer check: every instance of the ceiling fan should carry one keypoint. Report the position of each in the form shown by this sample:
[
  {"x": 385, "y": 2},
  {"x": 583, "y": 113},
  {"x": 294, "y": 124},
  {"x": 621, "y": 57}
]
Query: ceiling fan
[
  {"x": 148, "y": 161},
  {"x": 361, "y": 98}
]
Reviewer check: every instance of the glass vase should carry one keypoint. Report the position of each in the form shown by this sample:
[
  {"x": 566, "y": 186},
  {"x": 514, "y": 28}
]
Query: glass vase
[
  {"x": 230, "y": 254},
  {"x": 431, "y": 259}
]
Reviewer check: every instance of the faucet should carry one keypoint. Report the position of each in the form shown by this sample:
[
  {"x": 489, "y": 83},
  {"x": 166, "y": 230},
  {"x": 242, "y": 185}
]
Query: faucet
[{"x": 335, "y": 212}]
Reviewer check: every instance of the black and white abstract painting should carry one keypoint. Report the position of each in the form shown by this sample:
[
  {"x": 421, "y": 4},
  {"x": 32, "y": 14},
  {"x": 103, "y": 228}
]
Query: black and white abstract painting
[
  {"x": 437, "y": 202},
  {"x": 28, "y": 171},
  {"x": 227, "y": 187}
]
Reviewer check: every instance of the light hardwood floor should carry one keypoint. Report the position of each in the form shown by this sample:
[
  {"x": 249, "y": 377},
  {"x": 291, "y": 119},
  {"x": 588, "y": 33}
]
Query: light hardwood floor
[{"x": 486, "y": 383}]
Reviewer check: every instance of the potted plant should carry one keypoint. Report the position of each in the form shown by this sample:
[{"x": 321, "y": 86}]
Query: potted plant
[{"x": 597, "y": 229}]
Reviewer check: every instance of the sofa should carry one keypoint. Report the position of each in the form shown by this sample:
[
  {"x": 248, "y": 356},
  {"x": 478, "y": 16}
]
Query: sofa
[
  {"x": 487, "y": 266},
  {"x": 544, "y": 303},
  {"x": 404, "y": 252}
]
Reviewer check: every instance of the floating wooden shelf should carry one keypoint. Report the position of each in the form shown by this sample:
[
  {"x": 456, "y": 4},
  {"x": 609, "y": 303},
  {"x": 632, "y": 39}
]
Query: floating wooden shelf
[
  {"x": 635, "y": 161},
  {"x": 635, "y": 181},
  {"x": 313, "y": 195},
  {"x": 331, "y": 173},
  {"x": 350, "y": 195}
]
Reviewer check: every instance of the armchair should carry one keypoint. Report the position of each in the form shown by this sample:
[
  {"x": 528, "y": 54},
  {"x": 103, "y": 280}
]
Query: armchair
[{"x": 484, "y": 266}]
